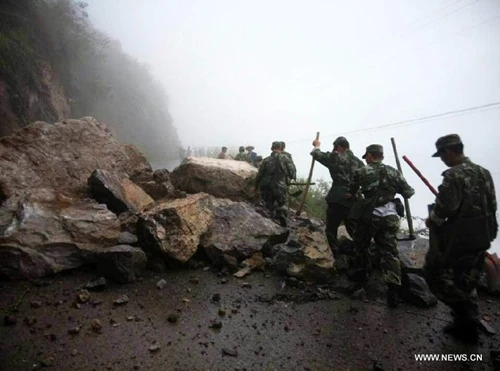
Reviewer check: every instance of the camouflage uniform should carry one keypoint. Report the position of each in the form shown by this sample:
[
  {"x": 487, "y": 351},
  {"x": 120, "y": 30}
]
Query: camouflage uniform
[
  {"x": 241, "y": 156},
  {"x": 272, "y": 181},
  {"x": 379, "y": 184},
  {"x": 290, "y": 163},
  {"x": 463, "y": 223},
  {"x": 342, "y": 167}
]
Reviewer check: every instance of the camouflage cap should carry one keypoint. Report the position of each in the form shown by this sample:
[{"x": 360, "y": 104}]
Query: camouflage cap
[
  {"x": 275, "y": 144},
  {"x": 373, "y": 148},
  {"x": 339, "y": 140},
  {"x": 241, "y": 149},
  {"x": 446, "y": 141}
]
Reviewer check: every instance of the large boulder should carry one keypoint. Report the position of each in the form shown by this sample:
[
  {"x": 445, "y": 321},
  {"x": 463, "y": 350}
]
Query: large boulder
[
  {"x": 238, "y": 231},
  {"x": 172, "y": 228},
  {"x": 62, "y": 156},
  {"x": 44, "y": 232},
  {"x": 46, "y": 222},
  {"x": 220, "y": 178},
  {"x": 118, "y": 193},
  {"x": 306, "y": 255}
]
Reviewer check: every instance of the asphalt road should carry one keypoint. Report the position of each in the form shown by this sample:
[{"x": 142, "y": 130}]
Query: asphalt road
[{"x": 201, "y": 320}]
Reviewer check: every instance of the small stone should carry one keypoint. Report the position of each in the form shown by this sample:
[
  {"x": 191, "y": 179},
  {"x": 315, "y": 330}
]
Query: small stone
[
  {"x": 222, "y": 312},
  {"x": 216, "y": 325},
  {"x": 246, "y": 285},
  {"x": 74, "y": 352},
  {"x": 234, "y": 310},
  {"x": 216, "y": 297},
  {"x": 74, "y": 330},
  {"x": 194, "y": 281},
  {"x": 223, "y": 281},
  {"x": 154, "y": 348},
  {"x": 173, "y": 318},
  {"x": 98, "y": 284},
  {"x": 130, "y": 318},
  {"x": 83, "y": 296},
  {"x": 96, "y": 325},
  {"x": 36, "y": 304},
  {"x": 161, "y": 284},
  {"x": 76, "y": 305},
  {"x": 122, "y": 300},
  {"x": 230, "y": 352},
  {"x": 9, "y": 320}
]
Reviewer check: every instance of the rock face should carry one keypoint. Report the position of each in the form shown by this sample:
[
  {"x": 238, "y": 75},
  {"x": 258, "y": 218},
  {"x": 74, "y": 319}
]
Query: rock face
[
  {"x": 238, "y": 231},
  {"x": 62, "y": 156},
  {"x": 219, "y": 178},
  {"x": 119, "y": 194},
  {"x": 173, "y": 228}
]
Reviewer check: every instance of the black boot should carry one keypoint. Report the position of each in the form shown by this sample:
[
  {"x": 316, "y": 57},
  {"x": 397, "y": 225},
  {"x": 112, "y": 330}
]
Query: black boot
[{"x": 392, "y": 295}]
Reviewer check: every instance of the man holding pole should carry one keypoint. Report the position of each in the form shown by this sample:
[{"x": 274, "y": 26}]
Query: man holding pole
[
  {"x": 377, "y": 217},
  {"x": 462, "y": 224},
  {"x": 342, "y": 164}
]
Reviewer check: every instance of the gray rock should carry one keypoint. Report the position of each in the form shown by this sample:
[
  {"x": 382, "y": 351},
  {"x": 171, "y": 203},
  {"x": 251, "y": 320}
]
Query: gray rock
[
  {"x": 98, "y": 284},
  {"x": 161, "y": 284},
  {"x": 122, "y": 300},
  {"x": 415, "y": 290},
  {"x": 117, "y": 192},
  {"x": 234, "y": 180},
  {"x": 121, "y": 263},
  {"x": 306, "y": 256},
  {"x": 172, "y": 228},
  {"x": 238, "y": 231},
  {"x": 127, "y": 238}
]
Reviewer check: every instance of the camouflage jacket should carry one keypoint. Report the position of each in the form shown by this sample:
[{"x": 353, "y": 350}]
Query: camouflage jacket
[
  {"x": 241, "y": 156},
  {"x": 273, "y": 172},
  {"x": 342, "y": 167},
  {"x": 292, "y": 170},
  {"x": 380, "y": 181},
  {"x": 467, "y": 191}
]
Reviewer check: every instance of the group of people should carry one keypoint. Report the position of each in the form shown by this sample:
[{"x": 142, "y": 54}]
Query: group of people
[
  {"x": 462, "y": 221},
  {"x": 250, "y": 156}
]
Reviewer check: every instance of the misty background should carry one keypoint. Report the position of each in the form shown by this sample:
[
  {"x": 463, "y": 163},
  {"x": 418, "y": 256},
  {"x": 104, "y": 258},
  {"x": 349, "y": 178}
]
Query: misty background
[{"x": 248, "y": 73}]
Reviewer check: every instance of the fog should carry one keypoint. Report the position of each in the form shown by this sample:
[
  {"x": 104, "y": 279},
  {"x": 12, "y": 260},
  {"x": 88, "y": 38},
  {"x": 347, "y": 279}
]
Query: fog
[{"x": 251, "y": 72}]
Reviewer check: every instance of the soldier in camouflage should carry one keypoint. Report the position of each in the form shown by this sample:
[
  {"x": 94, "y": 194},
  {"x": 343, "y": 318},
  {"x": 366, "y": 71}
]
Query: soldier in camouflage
[
  {"x": 462, "y": 224},
  {"x": 377, "y": 217},
  {"x": 290, "y": 163},
  {"x": 241, "y": 156},
  {"x": 272, "y": 181},
  {"x": 342, "y": 164}
]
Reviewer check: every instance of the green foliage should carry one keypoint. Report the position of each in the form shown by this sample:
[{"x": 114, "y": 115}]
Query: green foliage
[{"x": 315, "y": 204}]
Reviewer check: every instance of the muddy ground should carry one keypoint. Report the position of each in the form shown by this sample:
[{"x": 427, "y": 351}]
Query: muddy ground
[{"x": 203, "y": 320}]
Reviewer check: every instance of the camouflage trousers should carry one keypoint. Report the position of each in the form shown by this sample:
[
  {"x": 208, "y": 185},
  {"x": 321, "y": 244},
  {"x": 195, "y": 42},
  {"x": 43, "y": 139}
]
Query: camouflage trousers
[
  {"x": 454, "y": 279},
  {"x": 336, "y": 214},
  {"x": 383, "y": 230},
  {"x": 275, "y": 201}
]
